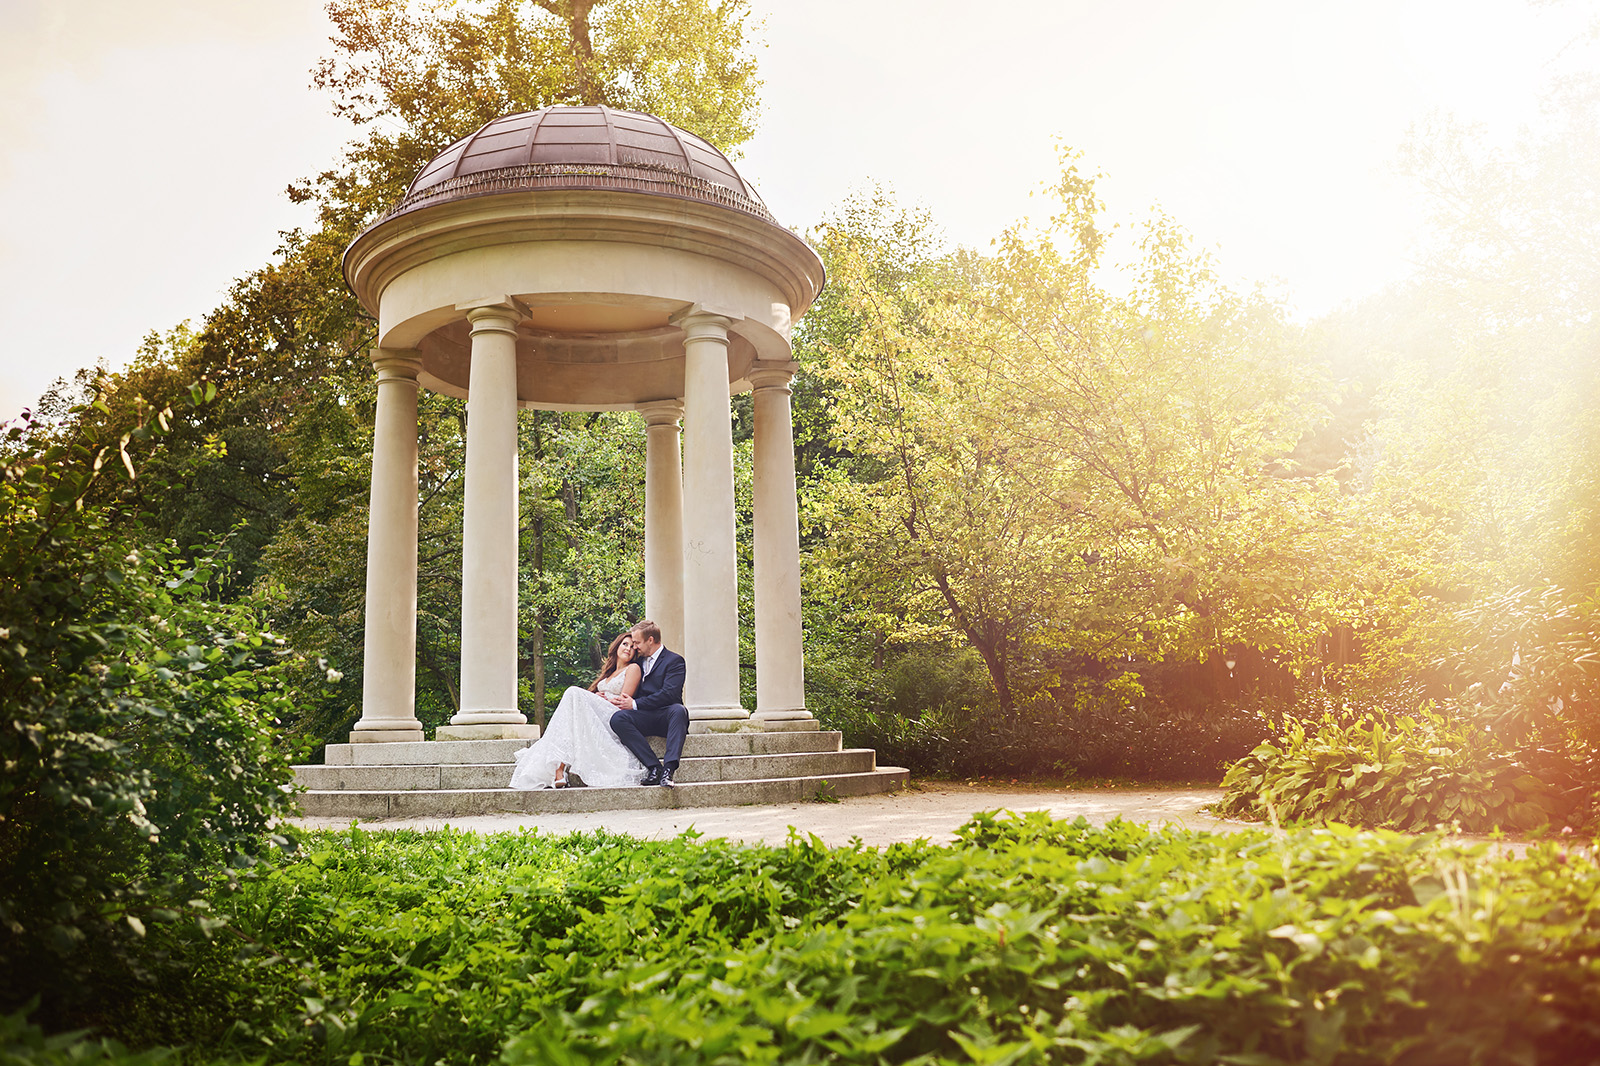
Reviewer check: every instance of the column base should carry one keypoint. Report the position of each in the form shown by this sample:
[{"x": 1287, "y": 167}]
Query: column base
[
  {"x": 711, "y": 713},
  {"x": 793, "y": 720},
  {"x": 788, "y": 714},
  {"x": 787, "y": 725},
  {"x": 489, "y": 716},
  {"x": 400, "y": 731},
  {"x": 734, "y": 719},
  {"x": 487, "y": 731}
]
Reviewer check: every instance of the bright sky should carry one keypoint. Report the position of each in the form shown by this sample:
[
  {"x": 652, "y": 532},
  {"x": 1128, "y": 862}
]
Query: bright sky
[{"x": 145, "y": 144}]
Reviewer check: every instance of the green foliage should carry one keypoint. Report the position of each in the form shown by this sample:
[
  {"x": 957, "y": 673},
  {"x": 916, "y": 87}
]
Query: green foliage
[
  {"x": 1085, "y": 728},
  {"x": 1530, "y": 666},
  {"x": 1411, "y": 772},
  {"x": 1476, "y": 472},
  {"x": 1025, "y": 941},
  {"x": 23, "y": 1044},
  {"x": 1132, "y": 499},
  {"x": 135, "y": 725},
  {"x": 583, "y": 493},
  {"x": 416, "y": 76},
  {"x": 1514, "y": 743},
  {"x": 430, "y": 945}
]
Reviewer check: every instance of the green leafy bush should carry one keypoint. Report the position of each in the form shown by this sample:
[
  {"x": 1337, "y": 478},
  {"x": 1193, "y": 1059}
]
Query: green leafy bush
[
  {"x": 1056, "y": 945},
  {"x": 1086, "y": 728},
  {"x": 135, "y": 736},
  {"x": 1407, "y": 772},
  {"x": 1514, "y": 743},
  {"x": 1528, "y": 667},
  {"x": 24, "y": 1044},
  {"x": 1025, "y": 941}
]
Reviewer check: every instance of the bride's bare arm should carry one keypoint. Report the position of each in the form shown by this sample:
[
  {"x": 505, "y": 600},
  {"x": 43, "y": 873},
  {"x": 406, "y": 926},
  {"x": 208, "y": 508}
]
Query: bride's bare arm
[{"x": 630, "y": 679}]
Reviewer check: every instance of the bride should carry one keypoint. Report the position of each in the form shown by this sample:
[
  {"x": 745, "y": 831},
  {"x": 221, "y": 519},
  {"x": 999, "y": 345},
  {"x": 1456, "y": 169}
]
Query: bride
[{"x": 579, "y": 736}]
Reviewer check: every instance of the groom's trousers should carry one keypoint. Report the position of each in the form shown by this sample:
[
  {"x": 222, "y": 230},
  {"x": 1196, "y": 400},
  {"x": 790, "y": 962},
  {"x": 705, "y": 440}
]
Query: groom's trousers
[{"x": 632, "y": 727}]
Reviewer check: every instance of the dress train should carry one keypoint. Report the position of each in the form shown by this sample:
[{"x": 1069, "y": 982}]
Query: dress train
[{"x": 579, "y": 734}]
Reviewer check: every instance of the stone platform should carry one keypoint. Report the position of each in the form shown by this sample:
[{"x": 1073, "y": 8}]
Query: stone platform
[{"x": 465, "y": 777}]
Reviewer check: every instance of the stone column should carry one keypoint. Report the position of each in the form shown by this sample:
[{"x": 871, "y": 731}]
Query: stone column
[
  {"x": 710, "y": 565},
  {"x": 780, "y": 673},
  {"x": 389, "y": 660},
  {"x": 489, "y": 532},
  {"x": 663, "y": 520}
]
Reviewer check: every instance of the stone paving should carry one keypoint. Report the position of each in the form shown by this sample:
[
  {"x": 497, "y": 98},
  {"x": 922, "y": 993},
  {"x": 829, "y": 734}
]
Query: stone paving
[{"x": 930, "y": 810}]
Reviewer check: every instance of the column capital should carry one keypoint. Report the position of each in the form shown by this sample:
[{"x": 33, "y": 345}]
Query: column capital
[
  {"x": 770, "y": 374},
  {"x": 396, "y": 364},
  {"x": 661, "y": 412},
  {"x": 494, "y": 314},
  {"x": 703, "y": 322}
]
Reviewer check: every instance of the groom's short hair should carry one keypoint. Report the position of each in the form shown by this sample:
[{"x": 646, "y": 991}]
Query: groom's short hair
[{"x": 648, "y": 630}]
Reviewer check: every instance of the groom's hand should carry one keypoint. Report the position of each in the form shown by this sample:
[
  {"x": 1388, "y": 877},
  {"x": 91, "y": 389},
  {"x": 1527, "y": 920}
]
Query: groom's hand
[{"x": 623, "y": 702}]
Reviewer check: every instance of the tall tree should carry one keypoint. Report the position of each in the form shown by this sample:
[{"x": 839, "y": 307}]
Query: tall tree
[
  {"x": 1479, "y": 470},
  {"x": 1047, "y": 467},
  {"x": 417, "y": 75}
]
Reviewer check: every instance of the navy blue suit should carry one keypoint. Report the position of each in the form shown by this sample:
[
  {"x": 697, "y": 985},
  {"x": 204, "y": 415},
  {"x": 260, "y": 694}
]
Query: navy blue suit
[{"x": 657, "y": 711}]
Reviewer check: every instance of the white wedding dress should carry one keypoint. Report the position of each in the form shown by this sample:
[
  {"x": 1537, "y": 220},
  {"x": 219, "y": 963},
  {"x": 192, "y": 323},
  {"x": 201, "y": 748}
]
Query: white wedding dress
[{"x": 579, "y": 734}]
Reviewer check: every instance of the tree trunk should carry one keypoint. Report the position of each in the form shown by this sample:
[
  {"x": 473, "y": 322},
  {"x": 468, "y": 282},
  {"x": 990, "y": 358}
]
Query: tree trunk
[
  {"x": 991, "y": 650},
  {"x": 583, "y": 53}
]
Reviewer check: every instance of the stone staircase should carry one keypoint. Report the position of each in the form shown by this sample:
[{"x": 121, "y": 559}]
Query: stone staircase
[{"x": 461, "y": 777}]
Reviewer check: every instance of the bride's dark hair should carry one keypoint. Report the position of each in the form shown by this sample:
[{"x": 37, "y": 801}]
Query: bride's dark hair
[{"x": 610, "y": 666}]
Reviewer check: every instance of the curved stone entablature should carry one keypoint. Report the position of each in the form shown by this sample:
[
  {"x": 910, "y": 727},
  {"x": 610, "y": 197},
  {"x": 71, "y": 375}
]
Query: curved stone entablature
[{"x": 604, "y": 269}]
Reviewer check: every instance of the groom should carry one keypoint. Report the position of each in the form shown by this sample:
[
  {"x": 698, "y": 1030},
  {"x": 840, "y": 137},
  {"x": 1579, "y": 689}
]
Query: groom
[{"x": 656, "y": 709}]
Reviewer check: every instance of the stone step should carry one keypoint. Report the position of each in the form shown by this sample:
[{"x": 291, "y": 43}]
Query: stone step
[
  {"x": 455, "y": 776},
  {"x": 443, "y": 803},
  {"x": 466, "y": 752}
]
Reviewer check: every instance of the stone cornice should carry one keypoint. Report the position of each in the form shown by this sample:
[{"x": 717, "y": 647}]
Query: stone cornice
[{"x": 395, "y": 245}]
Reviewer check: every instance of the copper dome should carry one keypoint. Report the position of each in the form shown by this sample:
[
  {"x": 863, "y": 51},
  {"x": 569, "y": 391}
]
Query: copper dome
[{"x": 581, "y": 148}]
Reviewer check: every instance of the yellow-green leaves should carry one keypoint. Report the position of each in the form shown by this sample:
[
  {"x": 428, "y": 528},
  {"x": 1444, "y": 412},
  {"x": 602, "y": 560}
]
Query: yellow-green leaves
[{"x": 1041, "y": 462}]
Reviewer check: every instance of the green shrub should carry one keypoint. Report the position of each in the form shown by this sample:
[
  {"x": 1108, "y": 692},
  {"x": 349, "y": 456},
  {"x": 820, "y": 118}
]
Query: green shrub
[
  {"x": 1407, "y": 772},
  {"x": 1052, "y": 944},
  {"x": 135, "y": 737},
  {"x": 1528, "y": 667},
  {"x": 1529, "y": 660},
  {"x": 1026, "y": 941},
  {"x": 424, "y": 947},
  {"x": 1086, "y": 728},
  {"x": 23, "y": 1044}
]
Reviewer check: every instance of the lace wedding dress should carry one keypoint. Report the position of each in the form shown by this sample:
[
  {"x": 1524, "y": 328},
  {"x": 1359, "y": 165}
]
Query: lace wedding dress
[{"x": 579, "y": 734}]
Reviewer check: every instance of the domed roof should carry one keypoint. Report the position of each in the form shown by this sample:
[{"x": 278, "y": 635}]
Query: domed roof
[{"x": 581, "y": 148}]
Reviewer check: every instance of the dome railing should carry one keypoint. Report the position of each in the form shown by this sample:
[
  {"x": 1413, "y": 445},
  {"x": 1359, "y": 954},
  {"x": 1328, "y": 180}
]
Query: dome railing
[{"x": 653, "y": 178}]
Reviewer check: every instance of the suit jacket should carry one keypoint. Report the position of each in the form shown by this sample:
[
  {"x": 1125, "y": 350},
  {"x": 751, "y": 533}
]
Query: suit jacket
[{"x": 663, "y": 686}]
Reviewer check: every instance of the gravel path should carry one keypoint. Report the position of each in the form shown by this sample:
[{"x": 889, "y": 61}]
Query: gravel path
[{"x": 930, "y": 810}]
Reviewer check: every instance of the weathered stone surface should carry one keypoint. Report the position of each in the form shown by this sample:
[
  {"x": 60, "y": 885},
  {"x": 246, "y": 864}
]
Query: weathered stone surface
[
  {"x": 496, "y": 775},
  {"x": 423, "y": 752},
  {"x": 462, "y": 752},
  {"x": 464, "y": 777},
  {"x": 368, "y": 778},
  {"x": 457, "y": 734},
  {"x": 376, "y": 805}
]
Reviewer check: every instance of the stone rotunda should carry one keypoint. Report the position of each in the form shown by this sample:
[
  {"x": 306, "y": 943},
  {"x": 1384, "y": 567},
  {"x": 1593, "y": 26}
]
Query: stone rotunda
[{"x": 585, "y": 258}]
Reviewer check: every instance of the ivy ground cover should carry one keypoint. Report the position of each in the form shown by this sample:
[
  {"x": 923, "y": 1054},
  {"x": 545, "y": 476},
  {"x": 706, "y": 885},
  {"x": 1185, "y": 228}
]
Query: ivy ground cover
[{"x": 1025, "y": 941}]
